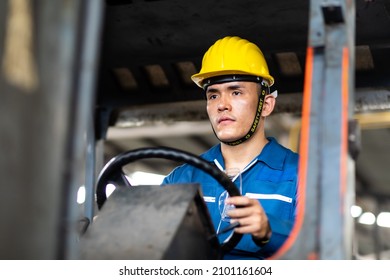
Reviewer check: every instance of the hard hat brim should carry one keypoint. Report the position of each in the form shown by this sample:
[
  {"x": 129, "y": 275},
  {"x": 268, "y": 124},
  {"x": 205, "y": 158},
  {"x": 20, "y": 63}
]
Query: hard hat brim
[{"x": 199, "y": 78}]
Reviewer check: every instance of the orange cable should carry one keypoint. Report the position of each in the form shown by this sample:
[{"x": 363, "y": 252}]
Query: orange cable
[{"x": 303, "y": 157}]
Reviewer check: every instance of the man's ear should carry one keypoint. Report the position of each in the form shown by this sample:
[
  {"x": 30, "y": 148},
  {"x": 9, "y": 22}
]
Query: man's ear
[{"x": 269, "y": 105}]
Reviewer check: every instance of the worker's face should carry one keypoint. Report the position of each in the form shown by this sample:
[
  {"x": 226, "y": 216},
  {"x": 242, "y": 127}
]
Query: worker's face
[{"x": 231, "y": 108}]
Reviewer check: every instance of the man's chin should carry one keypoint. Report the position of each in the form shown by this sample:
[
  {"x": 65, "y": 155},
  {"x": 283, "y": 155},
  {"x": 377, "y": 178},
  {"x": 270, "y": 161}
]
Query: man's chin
[{"x": 227, "y": 139}]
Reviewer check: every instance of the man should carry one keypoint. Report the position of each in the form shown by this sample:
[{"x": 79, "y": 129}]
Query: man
[{"x": 236, "y": 82}]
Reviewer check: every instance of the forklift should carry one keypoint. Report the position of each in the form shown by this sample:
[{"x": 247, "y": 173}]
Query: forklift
[{"x": 57, "y": 104}]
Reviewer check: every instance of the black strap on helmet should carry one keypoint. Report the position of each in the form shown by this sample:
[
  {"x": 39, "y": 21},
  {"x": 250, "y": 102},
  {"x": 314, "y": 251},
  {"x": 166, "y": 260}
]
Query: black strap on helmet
[{"x": 230, "y": 78}]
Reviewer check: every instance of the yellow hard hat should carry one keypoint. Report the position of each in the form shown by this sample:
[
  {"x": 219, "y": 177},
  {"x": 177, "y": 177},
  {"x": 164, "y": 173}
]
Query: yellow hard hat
[{"x": 233, "y": 55}]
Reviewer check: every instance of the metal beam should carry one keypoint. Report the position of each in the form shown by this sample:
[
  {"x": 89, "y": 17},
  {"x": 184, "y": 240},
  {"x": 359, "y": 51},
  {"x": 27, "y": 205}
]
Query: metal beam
[
  {"x": 42, "y": 124},
  {"x": 323, "y": 229}
]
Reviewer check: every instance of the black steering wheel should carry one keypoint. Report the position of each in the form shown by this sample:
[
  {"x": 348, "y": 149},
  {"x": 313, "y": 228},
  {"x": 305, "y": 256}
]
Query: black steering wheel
[{"x": 113, "y": 173}]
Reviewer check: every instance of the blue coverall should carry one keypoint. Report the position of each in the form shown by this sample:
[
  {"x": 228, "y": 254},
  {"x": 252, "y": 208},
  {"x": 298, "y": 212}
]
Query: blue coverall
[{"x": 271, "y": 178}]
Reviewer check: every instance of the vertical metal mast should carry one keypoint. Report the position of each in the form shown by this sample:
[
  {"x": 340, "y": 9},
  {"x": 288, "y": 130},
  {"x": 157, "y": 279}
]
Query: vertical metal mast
[
  {"x": 47, "y": 69},
  {"x": 326, "y": 174}
]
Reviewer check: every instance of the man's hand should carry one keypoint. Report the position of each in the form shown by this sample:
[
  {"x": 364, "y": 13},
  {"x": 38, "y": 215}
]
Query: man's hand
[{"x": 251, "y": 216}]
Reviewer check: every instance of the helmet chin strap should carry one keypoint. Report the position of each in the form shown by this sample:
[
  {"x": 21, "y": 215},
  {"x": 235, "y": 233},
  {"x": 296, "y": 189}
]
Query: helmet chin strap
[{"x": 256, "y": 121}]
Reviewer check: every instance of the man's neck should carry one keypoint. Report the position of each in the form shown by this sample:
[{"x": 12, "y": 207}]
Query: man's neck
[{"x": 241, "y": 155}]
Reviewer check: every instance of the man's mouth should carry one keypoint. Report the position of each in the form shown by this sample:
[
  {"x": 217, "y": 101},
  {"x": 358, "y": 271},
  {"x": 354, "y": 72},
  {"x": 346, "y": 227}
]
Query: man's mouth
[{"x": 225, "y": 120}]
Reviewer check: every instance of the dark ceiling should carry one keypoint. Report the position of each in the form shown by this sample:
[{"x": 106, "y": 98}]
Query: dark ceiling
[{"x": 151, "y": 47}]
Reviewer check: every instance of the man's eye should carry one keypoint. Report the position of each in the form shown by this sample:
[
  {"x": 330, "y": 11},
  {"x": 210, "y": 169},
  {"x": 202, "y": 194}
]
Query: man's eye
[
  {"x": 236, "y": 93},
  {"x": 212, "y": 96}
]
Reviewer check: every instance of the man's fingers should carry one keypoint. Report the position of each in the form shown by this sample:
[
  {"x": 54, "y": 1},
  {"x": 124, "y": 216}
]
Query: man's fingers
[{"x": 239, "y": 200}]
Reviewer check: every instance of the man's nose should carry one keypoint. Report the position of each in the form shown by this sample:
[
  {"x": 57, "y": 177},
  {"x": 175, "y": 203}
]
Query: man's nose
[{"x": 224, "y": 103}]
